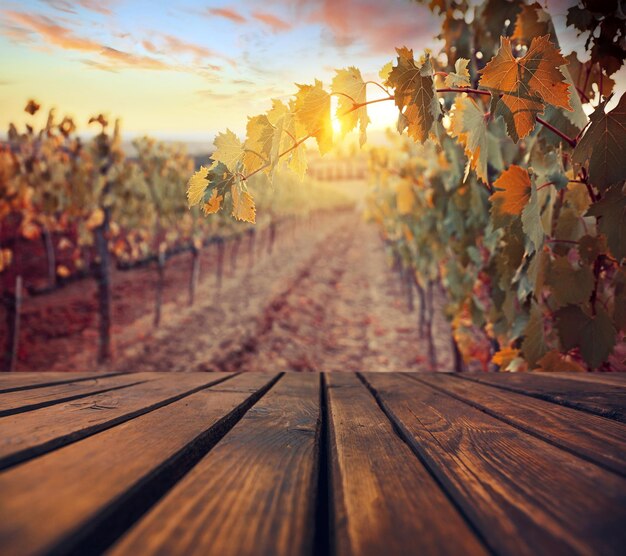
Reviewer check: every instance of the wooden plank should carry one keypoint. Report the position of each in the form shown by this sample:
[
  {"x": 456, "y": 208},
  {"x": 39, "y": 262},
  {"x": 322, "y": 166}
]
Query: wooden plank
[
  {"x": 526, "y": 496},
  {"x": 27, "y": 435},
  {"x": 595, "y": 438},
  {"x": 27, "y": 400},
  {"x": 612, "y": 379},
  {"x": 385, "y": 500},
  {"x": 12, "y": 382},
  {"x": 599, "y": 398},
  {"x": 76, "y": 499},
  {"x": 254, "y": 493}
]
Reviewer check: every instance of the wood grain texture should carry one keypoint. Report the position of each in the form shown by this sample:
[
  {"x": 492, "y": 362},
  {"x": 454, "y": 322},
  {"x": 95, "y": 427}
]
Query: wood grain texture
[
  {"x": 525, "y": 495},
  {"x": 11, "y": 382},
  {"x": 254, "y": 493},
  {"x": 72, "y": 498},
  {"x": 28, "y": 400},
  {"x": 27, "y": 435},
  {"x": 612, "y": 379},
  {"x": 595, "y": 438},
  {"x": 595, "y": 397},
  {"x": 385, "y": 500}
]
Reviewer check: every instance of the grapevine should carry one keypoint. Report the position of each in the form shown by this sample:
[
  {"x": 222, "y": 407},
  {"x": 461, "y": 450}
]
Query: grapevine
[{"x": 502, "y": 192}]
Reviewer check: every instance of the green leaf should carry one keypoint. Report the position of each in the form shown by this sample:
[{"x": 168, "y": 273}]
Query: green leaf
[
  {"x": 594, "y": 336},
  {"x": 603, "y": 146},
  {"x": 534, "y": 344},
  {"x": 611, "y": 214},
  {"x": 569, "y": 285},
  {"x": 531, "y": 220}
]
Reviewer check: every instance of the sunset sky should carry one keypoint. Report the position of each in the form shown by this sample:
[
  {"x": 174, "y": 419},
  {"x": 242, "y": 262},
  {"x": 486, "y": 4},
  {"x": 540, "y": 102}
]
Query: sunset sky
[{"x": 187, "y": 70}]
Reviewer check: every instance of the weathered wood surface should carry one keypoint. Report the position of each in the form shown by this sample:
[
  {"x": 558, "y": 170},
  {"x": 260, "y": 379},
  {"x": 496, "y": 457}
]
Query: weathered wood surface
[{"x": 402, "y": 463}]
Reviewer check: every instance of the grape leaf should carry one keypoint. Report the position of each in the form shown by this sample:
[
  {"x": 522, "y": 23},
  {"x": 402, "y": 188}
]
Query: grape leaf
[
  {"x": 313, "y": 112},
  {"x": 515, "y": 187},
  {"x": 531, "y": 220},
  {"x": 468, "y": 123},
  {"x": 414, "y": 94},
  {"x": 586, "y": 75},
  {"x": 504, "y": 357},
  {"x": 534, "y": 344},
  {"x": 258, "y": 146},
  {"x": 594, "y": 336},
  {"x": 350, "y": 88},
  {"x": 569, "y": 285},
  {"x": 196, "y": 186},
  {"x": 554, "y": 362},
  {"x": 229, "y": 150},
  {"x": 611, "y": 214},
  {"x": 532, "y": 21},
  {"x": 214, "y": 204},
  {"x": 603, "y": 146},
  {"x": 405, "y": 198},
  {"x": 243, "y": 204},
  {"x": 460, "y": 77},
  {"x": 526, "y": 84}
]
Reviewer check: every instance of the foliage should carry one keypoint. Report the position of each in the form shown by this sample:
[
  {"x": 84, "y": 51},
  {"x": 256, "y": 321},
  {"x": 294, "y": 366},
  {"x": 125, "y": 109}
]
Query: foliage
[{"x": 503, "y": 191}]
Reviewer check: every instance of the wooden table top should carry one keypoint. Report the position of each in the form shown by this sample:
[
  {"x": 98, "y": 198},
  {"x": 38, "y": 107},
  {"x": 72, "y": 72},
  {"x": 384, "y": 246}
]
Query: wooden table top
[{"x": 302, "y": 463}]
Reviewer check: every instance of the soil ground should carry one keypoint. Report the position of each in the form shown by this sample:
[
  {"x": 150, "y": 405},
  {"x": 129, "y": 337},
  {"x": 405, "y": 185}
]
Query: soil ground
[{"x": 324, "y": 299}]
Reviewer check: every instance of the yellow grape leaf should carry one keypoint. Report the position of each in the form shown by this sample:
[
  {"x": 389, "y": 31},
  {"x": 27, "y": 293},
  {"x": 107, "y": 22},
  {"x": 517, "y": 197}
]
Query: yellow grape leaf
[
  {"x": 505, "y": 356},
  {"x": 243, "y": 205},
  {"x": 526, "y": 84},
  {"x": 95, "y": 219},
  {"x": 63, "y": 271},
  {"x": 460, "y": 77},
  {"x": 258, "y": 145},
  {"x": 214, "y": 204},
  {"x": 229, "y": 150},
  {"x": 414, "y": 93},
  {"x": 385, "y": 71},
  {"x": 469, "y": 125},
  {"x": 197, "y": 185},
  {"x": 312, "y": 109},
  {"x": 405, "y": 198},
  {"x": 515, "y": 185},
  {"x": 349, "y": 87}
]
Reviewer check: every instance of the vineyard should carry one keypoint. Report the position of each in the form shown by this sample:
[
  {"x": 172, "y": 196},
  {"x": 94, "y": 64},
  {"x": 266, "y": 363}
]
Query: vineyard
[
  {"x": 325, "y": 277},
  {"x": 498, "y": 202},
  {"x": 503, "y": 192}
]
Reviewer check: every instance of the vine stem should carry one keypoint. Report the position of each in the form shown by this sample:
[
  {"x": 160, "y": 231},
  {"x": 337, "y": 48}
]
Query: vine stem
[{"x": 357, "y": 105}]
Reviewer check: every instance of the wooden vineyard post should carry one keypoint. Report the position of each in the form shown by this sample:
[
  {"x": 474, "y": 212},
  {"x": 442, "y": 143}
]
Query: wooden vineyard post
[
  {"x": 430, "y": 311},
  {"x": 459, "y": 365},
  {"x": 233, "y": 254},
  {"x": 50, "y": 257},
  {"x": 251, "y": 242},
  {"x": 408, "y": 281},
  {"x": 161, "y": 257},
  {"x": 272, "y": 237},
  {"x": 103, "y": 278},
  {"x": 195, "y": 270},
  {"x": 13, "y": 305},
  {"x": 219, "y": 269}
]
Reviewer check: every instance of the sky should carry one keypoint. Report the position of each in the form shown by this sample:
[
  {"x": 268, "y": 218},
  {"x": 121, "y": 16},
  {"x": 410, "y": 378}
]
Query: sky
[{"x": 185, "y": 70}]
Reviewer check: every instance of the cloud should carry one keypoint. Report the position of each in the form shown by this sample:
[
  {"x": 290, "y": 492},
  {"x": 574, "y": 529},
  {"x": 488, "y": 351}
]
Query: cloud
[
  {"x": 149, "y": 46},
  {"x": 178, "y": 46},
  {"x": 274, "y": 22},
  {"x": 227, "y": 13},
  {"x": 62, "y": 37},
  {"x": 70, "y": 7},
  {"x": 381, "y": 26}
]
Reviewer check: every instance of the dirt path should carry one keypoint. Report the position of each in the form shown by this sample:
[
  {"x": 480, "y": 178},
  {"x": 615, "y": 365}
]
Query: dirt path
[{"x": 327, "y": 301}]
